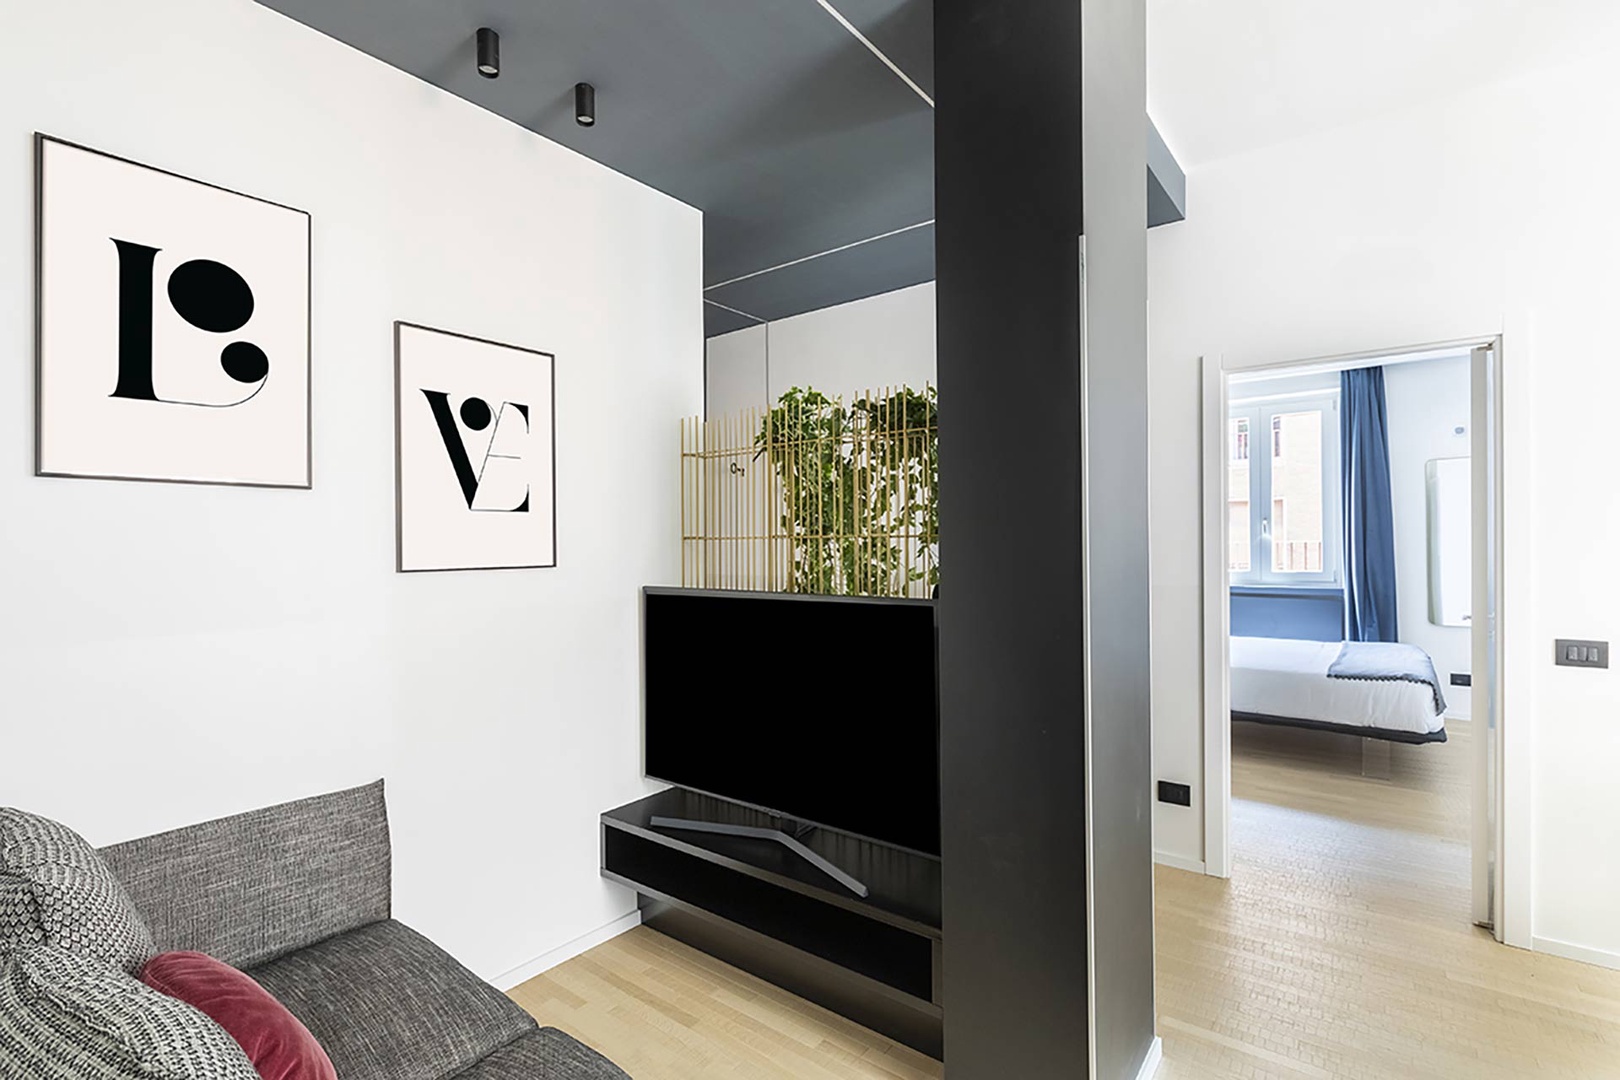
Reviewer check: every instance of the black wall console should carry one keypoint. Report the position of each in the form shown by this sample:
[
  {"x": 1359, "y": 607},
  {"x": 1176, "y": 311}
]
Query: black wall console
[{"x": 758, "y": 906}]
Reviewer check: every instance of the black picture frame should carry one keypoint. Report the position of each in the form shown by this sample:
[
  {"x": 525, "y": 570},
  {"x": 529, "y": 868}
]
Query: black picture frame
[
  {"x": 401, "y": 325},
  {"x": 41, "y": 142}
]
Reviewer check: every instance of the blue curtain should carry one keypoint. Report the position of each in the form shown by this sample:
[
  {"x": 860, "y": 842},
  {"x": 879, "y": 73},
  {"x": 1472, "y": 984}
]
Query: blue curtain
[{"x": 1369, "y": 515}]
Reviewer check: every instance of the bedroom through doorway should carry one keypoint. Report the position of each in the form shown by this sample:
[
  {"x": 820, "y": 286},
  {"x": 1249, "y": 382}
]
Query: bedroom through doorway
[{"x": 1357, "y": 521}]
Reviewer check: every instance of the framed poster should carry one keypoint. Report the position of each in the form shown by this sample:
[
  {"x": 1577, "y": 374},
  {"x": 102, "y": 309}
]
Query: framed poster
[
  {"x": 475, "y": 430},
  {"x": 172, "y": 326}
]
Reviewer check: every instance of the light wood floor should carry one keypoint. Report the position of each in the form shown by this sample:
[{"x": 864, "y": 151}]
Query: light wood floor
[
  {"x": 663, "y": 1011},
  {"x": 1341, "y": 947}
]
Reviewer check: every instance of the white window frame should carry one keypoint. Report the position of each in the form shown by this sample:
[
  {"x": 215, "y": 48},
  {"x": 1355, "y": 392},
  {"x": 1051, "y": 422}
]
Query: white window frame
[{"x": 1261, "y": 413}]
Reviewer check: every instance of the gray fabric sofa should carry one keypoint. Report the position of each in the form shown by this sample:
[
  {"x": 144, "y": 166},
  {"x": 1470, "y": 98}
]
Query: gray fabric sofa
[{"x": 298, "y": 896}]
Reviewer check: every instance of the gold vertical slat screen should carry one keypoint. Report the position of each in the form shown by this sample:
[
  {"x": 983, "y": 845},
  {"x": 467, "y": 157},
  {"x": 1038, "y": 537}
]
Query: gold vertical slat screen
[{"x": 814, "y": 496}]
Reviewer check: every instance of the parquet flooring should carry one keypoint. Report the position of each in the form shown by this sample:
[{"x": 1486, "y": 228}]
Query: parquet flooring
[
  {"x": 1341, "y": 947},
  {"x": 664, "y": 1011}
]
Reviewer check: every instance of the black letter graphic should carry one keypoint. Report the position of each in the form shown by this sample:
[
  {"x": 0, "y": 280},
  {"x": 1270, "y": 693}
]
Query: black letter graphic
[
  {"x": 475, "y": 413},
  {"x": 439, "y": 402},
  {"x": 135, "y": 321},
  {"x": 207, "y": 294}
]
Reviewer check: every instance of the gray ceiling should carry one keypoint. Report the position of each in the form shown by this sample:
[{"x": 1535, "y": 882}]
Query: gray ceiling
[{"x": 768, "y": 115}]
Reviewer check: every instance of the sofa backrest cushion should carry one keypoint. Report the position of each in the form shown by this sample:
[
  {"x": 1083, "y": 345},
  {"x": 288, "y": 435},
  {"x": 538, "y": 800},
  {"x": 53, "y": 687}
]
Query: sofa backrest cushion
[{"x": 252, "y": 887}]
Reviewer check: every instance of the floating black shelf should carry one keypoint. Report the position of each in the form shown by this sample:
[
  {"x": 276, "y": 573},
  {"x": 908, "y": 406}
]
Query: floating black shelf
[{"x": 759, "y": 907}]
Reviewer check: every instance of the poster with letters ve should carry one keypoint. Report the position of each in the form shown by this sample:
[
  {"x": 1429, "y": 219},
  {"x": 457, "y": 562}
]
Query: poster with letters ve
[
  {"x": 173, "y": 326},
  {"x": 476, "y": 471}
]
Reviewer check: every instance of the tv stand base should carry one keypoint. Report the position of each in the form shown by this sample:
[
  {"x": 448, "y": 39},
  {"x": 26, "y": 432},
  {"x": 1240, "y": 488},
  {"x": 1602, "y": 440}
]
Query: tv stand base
[
  {"x": 876, "y": 958},
  {"x": 754, "y": 833}
]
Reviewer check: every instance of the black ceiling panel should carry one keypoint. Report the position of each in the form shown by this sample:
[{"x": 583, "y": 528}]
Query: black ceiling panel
[
  {"x": 1167, "y": 184},
  {"x": 790, "y": 135},
  {"x": 766, "y": 114},
  {"x": 719, "y": 320},
  {"x": 903, "y": 29},
  {"x": 893, "y": 262}
]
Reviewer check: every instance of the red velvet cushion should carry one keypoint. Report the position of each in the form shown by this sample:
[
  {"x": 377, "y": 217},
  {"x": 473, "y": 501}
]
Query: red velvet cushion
[{"x": 277, "y": 1043}]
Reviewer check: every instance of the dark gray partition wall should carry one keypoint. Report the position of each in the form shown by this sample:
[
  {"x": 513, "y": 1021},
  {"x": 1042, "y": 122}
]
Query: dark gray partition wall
[
  {"x": 1016, "y": 411},
  {"x": 1008, "y": 213},
  {"x": 1113, "y": 37}
]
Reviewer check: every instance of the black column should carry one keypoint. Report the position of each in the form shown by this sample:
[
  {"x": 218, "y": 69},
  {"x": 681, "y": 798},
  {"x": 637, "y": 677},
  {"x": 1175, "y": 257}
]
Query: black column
[
  {"x": 1007, "y": 234},
  {"x": 1010, "y": 209}
]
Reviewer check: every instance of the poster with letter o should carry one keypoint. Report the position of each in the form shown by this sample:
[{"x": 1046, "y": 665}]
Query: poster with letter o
[{"x": 173, "y": 326}]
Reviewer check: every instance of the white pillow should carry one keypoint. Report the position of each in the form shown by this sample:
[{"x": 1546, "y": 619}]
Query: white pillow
[
  {"x": 70, "y": 1017},
  {"x": 55, "y": 889}
]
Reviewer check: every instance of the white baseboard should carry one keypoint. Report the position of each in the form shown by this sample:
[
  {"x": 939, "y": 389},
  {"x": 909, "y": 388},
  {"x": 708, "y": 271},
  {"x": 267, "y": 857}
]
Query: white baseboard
[
  {"x": 1150, "y": 1064},
  {"x": 563, "y": 953},
  {"x": 1164, "y": 858},
  {"x": 1596, "y": 957}
]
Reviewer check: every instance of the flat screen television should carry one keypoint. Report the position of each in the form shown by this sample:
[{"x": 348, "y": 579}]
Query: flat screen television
[{"x": 819, "y": 709}]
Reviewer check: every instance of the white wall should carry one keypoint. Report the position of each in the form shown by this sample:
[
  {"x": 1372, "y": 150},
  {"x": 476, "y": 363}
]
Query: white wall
[
  {"x": 1463, "y": 218},
  {"x": 1427, "y": 401},
  {"x": 172, "y": 653},
  {"x": 882, "y": 341}
]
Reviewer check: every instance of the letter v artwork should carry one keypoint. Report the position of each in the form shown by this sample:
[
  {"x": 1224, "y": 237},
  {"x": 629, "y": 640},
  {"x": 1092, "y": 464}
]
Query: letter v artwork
[{"x": 476, "y": 471}]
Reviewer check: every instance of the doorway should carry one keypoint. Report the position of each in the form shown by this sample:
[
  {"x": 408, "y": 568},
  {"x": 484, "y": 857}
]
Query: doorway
[{"x": 1273, "y": 515}]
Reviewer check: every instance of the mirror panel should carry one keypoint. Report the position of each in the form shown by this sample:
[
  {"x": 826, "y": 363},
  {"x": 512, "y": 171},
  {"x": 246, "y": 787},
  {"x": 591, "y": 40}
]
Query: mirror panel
[{"x": 1450, "y": 541}]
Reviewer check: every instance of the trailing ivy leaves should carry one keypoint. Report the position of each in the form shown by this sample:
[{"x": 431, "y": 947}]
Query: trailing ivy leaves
[{"x": 859, "y": 489}]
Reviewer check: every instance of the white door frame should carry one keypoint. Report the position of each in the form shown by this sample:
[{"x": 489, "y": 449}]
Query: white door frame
[
  {"x": 1217, "y": 628},
  {"x": 1513, "y": 776},
  {"x": 1485, "y": 490}
]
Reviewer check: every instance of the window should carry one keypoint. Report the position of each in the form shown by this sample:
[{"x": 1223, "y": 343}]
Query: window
[
  {"x": 1284, "y": 508},
  {"x": 1238, "y": 486}
]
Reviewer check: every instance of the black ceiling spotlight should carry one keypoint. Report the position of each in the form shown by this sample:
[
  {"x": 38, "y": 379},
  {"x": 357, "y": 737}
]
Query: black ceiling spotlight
[
  {"x": 489, "y": 53},
  {"x": 585, "y": 104}
]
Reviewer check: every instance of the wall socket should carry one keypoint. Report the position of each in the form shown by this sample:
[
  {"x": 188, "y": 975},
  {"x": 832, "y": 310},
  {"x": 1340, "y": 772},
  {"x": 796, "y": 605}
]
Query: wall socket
[
  {"x": 1459, "y": 678},
  {"x": 1572, "y": 653},
  {"x": 1175, "y": 794}
]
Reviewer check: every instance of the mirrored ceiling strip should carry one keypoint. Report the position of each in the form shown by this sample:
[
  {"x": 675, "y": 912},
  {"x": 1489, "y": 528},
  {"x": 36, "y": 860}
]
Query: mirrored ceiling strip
[
  {"x": 877, "y": 52},
  {"x": 819, "y": 254}
]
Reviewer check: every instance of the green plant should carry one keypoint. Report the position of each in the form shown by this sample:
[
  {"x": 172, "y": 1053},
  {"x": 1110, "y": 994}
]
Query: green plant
[{"x": 859, "y": 489}]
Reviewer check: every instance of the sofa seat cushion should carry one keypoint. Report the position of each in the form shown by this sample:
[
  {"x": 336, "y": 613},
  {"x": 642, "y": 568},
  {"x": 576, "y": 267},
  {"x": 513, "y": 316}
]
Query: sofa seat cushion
[
  {"x": 65, "y": 1016},
  {"x": 545, "y": 1054},
  {"x": 56, "y": 890},
  {"x": 388, "y": 1004}
]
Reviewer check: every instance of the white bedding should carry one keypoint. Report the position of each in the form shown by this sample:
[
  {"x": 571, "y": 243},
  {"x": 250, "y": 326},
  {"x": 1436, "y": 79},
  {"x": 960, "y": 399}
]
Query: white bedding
[{"x": 1289, "y": 679}]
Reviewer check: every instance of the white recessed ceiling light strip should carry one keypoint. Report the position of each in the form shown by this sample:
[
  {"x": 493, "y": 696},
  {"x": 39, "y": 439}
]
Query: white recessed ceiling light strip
[{"x": 877, "y": 52}]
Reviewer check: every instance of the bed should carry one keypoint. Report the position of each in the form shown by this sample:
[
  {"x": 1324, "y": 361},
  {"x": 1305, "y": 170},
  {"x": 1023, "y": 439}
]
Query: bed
[{"x": 1387, "y": 692}]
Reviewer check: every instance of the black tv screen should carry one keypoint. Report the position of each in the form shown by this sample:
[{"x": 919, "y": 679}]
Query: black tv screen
[{"x": 820, "y": 709}]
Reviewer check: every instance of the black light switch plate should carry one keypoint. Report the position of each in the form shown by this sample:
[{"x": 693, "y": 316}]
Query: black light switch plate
[
  {"x": 1459, "y": 678},
  {"x": 1175, "y": 794}
]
